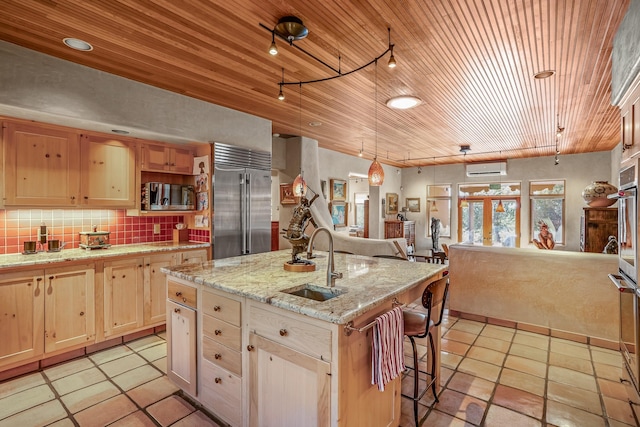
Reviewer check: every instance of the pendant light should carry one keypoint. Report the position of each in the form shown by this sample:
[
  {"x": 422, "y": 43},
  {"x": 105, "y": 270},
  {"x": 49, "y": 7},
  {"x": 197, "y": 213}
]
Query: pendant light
[
  {"x": 434, "y": 206},
  {"x": 299, "y": 184},
  {"x": 500, "y": 207},
  {"x": 376, "y": 172},
  {"x": 463, "y": 202}
]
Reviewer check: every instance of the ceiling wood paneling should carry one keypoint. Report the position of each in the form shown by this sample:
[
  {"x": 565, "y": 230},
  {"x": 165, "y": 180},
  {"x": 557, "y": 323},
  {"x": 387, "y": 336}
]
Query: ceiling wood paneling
[{"x": 471, "y": 61}]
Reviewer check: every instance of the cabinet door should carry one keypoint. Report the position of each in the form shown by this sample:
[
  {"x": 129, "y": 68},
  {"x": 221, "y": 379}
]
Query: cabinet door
[
  {"x": 165, "y": 158},
  {"x": 155, "y": 284},
  {"x": 197, "y": 256},
  {"x": 22, "y": 311},
  {"x": 107, "y": 172},
  {"x": 69, "y": 307},
  {"x": 287, "y": 388},
  {"x": 154, "y": 157},
  {"x": 181, "y": 346},
  {"x": 42, "y": 166},
  {"x": 123, "y": 296},
  {"x": 181, "y": 161}
]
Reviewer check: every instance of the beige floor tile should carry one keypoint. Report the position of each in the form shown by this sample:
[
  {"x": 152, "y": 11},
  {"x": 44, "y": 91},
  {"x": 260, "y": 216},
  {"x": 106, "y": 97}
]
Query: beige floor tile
[
  {"x": 493, "y": 344},
  {"x": 25, "y": 399},
  {"x": 137, "y": 419},
  {"x": 529, "y": 352},
  {"x": 540, "y": 342},
  {"x": 619, "y": 410},
  {"x": 608, "y": 357},
  {"x": 527, "y": 366},
  {"x": 523, "y": 381},
  {"x": 614, "y": 389},
  {"x": 616, "y": 423},
  {"x": 83, "y": 398},
  {"x": 499, "y": 416},
  {"x": 435, "y": 419},
  {"x": 161, "y": 364},
  {"x": 520, "y": 401},
  {"x": 460, "y": 336},
  {"x": 19, "y": 384},
  {"x": 574, "y": 396},
  {"x": 197, "y": 419},
  {"x": 499, "y": 332},
  {"x": 574, "y": 378},
  {"x": 486, "y": 355},
  {"x": 155, "y": 352},
  {"x": 162, "y": 335},
  {"x": 169, "y": 410},
  {"x": 479, "y": 369},
  {"x": 445, "y": 375},
  {"x": 454, "y": 347},
  {"x": 106, "y": 412},
  {"x": 468, "y": 326},
  {"x": 123, "y": 364},
  {"x": 68, "y": 368},
  {"x": 78, "y": 380},
  {"x": 111, "y": 354},
  {"x": 461, "y": 406},
  {"x": 473, "y": 386},
  {"x": 152, "y": 391},
  {"x": 563, "y": 415},
  {"x": 136, "y": 377},
  {"x": 570, "y": 348},
  {"x": 450, "y": 360},
  {"x": 40, "y": 415},
  {"x": 146, "y": 342},
  {"x": 613, "y": 373},
  {"x": 63, "y": 423},
  {"x": 570, "y": 362}
]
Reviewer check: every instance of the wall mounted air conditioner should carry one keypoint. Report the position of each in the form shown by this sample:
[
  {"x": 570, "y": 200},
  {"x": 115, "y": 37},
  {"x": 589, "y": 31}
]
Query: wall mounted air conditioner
[{"x": 487, "y": 169}]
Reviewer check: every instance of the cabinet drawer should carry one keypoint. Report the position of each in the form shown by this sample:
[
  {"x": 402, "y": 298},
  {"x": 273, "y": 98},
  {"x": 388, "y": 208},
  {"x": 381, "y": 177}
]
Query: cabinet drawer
[
  {"x": 223, "y": 356},
  {"x": 293, "y": 333},
  {"x": 222, "y": 332},
  {"x": 221, "y": 307},
  {"x": 221, "y": 391},
  {"x": 182, "y": 294}
]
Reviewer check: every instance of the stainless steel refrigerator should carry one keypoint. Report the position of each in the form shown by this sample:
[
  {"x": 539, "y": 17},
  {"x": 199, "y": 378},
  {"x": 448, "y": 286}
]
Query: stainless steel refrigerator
[{"x": 241, "y": 201}]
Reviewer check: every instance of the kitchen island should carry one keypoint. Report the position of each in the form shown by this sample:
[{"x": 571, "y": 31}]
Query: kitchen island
[{"x": 264, "y": 356}]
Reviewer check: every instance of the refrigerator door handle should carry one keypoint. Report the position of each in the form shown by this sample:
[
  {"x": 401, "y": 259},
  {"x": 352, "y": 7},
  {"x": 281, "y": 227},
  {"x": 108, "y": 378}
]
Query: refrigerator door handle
[
  {"x": 249, "y": 230},
  {"x": 243, "y": 206}
]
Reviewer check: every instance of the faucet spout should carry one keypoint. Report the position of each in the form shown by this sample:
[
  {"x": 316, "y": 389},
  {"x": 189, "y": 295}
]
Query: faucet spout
[{"x": 331, "y": 274}]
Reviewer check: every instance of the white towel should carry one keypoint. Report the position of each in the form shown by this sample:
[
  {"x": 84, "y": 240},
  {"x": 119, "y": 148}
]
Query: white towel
[{"x": 387, "y": 352}]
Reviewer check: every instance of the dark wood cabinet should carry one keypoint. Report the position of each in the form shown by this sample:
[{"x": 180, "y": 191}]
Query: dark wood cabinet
[
  {"x": 596, "y": 225},
  {"x": 396, "y": 229}
]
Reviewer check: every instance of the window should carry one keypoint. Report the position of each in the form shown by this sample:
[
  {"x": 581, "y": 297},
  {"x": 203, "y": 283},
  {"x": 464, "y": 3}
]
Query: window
[
  {"x": 439, "y": 207},
  {"x": 547, "y": 206},
  {"x": 359, "y": 199}
]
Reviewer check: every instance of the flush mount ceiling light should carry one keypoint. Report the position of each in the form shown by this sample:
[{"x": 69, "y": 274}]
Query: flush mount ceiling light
[
  {"x": 77, "y": 44},
  {"x": 543, "y": 74},
  {"x": 464, "y": 149},
  {"x": 290, "y": 28},
  {"x": 403, "y": 102}
]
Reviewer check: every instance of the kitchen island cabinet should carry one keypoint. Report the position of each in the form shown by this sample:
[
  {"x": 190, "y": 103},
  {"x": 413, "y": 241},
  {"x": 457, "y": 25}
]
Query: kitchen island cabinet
[{"x": 300, "y": 363}]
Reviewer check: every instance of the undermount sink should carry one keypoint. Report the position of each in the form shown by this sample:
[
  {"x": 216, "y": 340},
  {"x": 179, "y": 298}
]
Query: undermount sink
[{"x": 314, "y": 292}]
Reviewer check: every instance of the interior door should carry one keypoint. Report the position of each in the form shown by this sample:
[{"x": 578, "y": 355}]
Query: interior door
[
  {"x": 471, "y": 227},
  {"x": 480, "y": 224}
]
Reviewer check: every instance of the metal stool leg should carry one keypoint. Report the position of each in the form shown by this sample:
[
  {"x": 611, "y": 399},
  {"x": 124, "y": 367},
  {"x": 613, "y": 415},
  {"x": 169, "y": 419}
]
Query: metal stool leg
[{"x": 434, "y": 377}]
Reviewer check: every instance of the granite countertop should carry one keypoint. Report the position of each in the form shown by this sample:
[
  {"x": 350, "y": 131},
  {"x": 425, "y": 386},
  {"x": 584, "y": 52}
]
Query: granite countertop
[
  {"x": 367, "y": 282},
  {"x": 43, "y": 258}
]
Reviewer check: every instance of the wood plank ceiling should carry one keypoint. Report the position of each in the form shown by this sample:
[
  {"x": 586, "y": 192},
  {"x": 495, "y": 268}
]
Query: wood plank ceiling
[{"x": 470, "y": 61}]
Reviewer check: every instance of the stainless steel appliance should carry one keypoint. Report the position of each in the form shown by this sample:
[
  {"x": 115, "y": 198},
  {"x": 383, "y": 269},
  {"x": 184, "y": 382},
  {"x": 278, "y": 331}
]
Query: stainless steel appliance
[
  {"x": 159, "y": 196},
  {"x": 627, "y": 280},
  {"x": 241, "y": 201}
]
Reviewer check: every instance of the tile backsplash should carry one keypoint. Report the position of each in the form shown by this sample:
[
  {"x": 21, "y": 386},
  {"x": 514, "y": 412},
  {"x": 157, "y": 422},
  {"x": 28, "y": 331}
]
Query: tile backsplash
[{"x": 20, "y": 225}]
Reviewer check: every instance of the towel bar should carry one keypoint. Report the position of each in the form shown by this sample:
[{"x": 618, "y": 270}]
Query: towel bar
[{"x": 349, "y": 328}]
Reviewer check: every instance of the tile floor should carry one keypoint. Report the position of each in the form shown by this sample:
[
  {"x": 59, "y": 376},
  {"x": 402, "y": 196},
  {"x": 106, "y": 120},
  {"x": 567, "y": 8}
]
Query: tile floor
[{"x": 491, "y": 376}]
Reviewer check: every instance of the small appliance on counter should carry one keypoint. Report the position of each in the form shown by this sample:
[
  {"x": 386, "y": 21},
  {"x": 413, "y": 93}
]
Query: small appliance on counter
[{"x": 94, "y": 239}]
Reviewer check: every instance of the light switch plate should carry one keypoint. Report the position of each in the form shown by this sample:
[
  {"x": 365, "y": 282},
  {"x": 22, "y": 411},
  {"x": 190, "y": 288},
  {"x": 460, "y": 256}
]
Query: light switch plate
[{"x": 156, "y": 228}]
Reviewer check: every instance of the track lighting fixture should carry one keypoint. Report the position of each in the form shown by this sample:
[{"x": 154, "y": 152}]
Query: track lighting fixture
[
  {"x": 273, "y": 49},
  {"x": 419, "y": 170},
  {"x": 464, "y": 149},
  {"x": 392, "y": 60},
  {"x": 361, "y": 153},
  {"x": 281, "y": 94}
]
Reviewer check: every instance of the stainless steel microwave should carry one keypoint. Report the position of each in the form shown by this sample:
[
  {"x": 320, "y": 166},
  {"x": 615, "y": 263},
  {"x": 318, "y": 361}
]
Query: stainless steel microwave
[{"x": 160, "y": 196}]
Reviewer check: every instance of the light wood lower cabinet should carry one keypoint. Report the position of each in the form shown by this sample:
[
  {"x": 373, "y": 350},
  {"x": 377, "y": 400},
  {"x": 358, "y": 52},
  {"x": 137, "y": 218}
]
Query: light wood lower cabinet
[
  {"x": 22, "y": 311},
  {"x": 69, "y": 307},
  {"x": 123, "y": 296},
  {"x": 182, "y": 336},
  {"x": 155, "y": 282}
]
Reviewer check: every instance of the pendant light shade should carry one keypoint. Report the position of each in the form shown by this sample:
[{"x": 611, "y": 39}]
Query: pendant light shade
[
  {"x": 376, "y": 173},
  {"x": 500, "y": 207},
  {"x": 434, "y": 206},
  {"x": 464, "y": 203},
  {"x": 299, "y": 186}
]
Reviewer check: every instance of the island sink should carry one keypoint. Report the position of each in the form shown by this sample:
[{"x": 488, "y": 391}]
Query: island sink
[{"x": 314, "y": 292}]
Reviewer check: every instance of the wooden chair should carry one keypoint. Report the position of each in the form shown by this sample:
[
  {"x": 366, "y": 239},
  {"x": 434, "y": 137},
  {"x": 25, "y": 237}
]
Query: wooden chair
[
  {"x": 419, "y": 324},
  {"x": 445, "y": 249}
]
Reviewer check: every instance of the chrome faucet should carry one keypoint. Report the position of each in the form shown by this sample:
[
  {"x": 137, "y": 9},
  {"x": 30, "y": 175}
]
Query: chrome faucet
[{"x": 331, "y": 275}]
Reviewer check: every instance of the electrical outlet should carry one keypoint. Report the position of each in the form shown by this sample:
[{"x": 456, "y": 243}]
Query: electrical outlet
[{"x": 156, "y": 228}]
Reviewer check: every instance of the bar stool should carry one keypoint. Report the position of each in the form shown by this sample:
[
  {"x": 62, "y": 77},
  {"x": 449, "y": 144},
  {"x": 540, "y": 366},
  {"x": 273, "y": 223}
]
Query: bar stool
[{"x": 419, "y": 324}]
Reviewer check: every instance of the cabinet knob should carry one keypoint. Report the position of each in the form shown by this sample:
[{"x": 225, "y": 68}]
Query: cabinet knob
[
  {"x": 82, "y": 313},
  {"x": 218, "y": 356},
  {"x": 216, "y": 308},
  {"x": 86, "y": 197},
  {"x": 250, "y": 348},
  {"x": 176, "y": 310},
  {"x": 218, "y": 380},
  {"x": 178, "y": 294},
  {"x": 283, "y": 332},
  {"x": 218, "y": 332}
]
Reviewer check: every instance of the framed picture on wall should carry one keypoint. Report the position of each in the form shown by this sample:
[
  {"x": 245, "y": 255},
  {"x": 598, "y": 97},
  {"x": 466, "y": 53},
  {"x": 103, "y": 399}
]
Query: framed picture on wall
[
  {"x": 392, "y": 203},
  {"x": 286, "y": 194},
  {"x": 338, "y": 190},
  {"x": 413, "y": 204},
  {"x": 339, "y": 212}
]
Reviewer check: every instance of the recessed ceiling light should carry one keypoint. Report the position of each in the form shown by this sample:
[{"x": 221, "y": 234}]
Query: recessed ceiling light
[
  {"x": 315, "y": 124},
  {"x": 403, "y": 102},
  {"x": 544, "y": 74},
  {"x": 77, "y": 44},
  {"x": 120, "y": 131}
]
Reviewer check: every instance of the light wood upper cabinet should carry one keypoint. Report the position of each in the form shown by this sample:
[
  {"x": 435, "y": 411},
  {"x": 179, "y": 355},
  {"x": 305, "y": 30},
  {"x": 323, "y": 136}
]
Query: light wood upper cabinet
[
  {"x": 123, "y": 296},
  {"x": 69, "y": 307},
  {"x": 22, "y": 309},
  {"x": 107, "y": 167},
  {"x": 166, "y": 158},
  {"x": 41, "y": 165}
]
